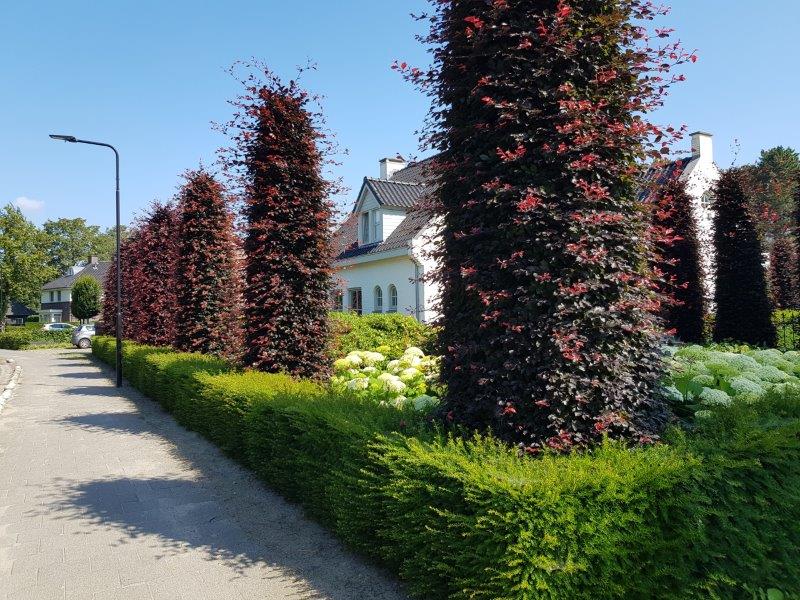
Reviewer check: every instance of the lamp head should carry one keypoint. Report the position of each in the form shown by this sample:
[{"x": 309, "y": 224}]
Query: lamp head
[{"x": 65, "y": 138}]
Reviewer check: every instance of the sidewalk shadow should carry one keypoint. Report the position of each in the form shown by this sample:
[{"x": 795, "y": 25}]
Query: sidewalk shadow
[{"x": 214, "y": 506}]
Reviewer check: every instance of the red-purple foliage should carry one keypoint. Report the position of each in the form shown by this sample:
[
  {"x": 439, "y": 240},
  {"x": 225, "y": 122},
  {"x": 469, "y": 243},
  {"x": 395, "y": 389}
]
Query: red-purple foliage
[
  {"x": 277, "y": 159},
  {"x": 208, "y": 313},
  {"x": 149, "y": 259},
  {"x": 677, "y": 262},
  {"x": 548, "y": 334},
  {"x": 782, "y": 272}
]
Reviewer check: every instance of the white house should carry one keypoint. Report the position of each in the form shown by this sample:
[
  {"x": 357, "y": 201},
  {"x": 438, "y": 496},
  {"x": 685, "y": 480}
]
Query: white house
[
  {"x": 382, "y": 247},
  {"x": 57, "y": 294},
  {"x": 700, "y": 174}
]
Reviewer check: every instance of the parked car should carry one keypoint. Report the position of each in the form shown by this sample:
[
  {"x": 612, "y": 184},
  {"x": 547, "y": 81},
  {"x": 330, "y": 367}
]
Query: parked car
[
  {"x": 58, "y": 327},
  {"x": 82, "y": 336}
]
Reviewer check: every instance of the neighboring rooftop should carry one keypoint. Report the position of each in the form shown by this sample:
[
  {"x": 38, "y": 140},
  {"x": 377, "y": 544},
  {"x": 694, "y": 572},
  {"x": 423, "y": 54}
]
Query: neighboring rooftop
[
  {"x": 17, "y": 309},
  {"x": 97, "y": 270}
]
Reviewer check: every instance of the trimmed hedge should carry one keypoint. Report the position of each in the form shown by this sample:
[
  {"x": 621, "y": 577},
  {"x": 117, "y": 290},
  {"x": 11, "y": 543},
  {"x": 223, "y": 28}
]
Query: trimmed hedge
[
  {"x": 394, "y": 331},
  {"x": 710, "y": 514},
  {"x": 27, "y": 338}
]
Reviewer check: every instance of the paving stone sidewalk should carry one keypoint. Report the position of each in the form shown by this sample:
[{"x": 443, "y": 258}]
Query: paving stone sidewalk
[{"x": 104, "y": 496}]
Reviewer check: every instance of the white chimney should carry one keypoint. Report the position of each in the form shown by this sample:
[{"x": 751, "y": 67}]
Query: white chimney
[
  {"x": 390, "y": 166},
  {"x": 703, "y": 145}
]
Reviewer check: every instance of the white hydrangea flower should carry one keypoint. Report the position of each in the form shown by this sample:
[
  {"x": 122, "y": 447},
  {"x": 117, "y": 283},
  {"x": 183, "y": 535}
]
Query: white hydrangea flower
[
  {"x": 711, "y": 397},
  {"x": 742, "y": 386},
  {"x": 414, "y": 351},
  {"x": 343, "y": 364},
  {"x": 409, "y": 374},
  {"x": 369, "y": 370},
  {"x": 392, "y": 383},
  {"x": 372, "y": 358},
  {"x": 361, "y": 383},
  {"x": 354, "y": 358},
  {"x": 394, "y": 366}
]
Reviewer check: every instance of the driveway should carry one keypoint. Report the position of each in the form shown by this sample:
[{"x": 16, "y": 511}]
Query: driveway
[{"x": 103, "y": 495}]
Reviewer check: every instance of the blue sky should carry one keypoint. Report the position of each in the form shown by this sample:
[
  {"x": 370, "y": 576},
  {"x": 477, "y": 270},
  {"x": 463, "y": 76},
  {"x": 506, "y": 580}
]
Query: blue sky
[{"x": 149, "y": 77}]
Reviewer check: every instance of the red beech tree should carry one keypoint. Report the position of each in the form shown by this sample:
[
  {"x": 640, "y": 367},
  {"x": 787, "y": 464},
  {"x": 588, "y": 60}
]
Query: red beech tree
[
  {"x": 276, "y": 161},
  {"x": 782, "y": 273},
  {"x": 548, "y": 329},
  {"x": 744, "y": 313},
  {"x": 208, "y": 290},
  {"x": 678, "y": 262}
]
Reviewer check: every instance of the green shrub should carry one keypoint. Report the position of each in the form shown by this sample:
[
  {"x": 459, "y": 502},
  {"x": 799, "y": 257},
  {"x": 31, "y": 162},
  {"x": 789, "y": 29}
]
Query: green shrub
[
  {"x": 393, "y": 331},
  {"x": 15, "y": 339},
  {"x": 712, "y": 513}
]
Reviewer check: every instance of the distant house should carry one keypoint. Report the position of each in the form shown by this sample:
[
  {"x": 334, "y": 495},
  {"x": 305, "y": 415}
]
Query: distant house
[
  {"x": 57, "y": 294},
  {"x": 18, "y": 313},
  {"x": 700, "y": 174},
  {"x": 382, "y": 248}
]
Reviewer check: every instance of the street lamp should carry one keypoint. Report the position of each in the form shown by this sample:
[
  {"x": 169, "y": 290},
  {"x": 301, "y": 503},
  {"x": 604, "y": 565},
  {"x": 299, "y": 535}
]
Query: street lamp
[{"x": 73, "y": 140}]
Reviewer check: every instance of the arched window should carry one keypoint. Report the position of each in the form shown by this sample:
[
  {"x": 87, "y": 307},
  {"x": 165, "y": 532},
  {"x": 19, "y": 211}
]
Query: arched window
[
  {"x": 392, "y": 298},
  {"x": 378, "y": 304}
]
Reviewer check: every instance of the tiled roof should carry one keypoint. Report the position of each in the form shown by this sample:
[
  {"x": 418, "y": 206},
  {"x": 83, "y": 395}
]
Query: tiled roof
[
  {"x": 664, "y": 173},
  {"x": 395, "y": 194},
  {"x": 98, "y": 271},
  {"x": 17, "y": 309},
  {"x": 415, "y": 172},
  {"x": 347, "y": 236}
]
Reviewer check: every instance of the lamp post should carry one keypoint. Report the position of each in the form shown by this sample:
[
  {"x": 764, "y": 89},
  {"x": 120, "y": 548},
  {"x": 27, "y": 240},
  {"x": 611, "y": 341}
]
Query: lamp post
[{"x": 73, "y": 140}]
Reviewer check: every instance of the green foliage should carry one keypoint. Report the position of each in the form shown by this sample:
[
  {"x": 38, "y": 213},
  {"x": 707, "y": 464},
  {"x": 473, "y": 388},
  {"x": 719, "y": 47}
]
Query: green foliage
[
  {"x": 86, "y": 298},
  {"x": 392, "y": 331},
  {"x": 32, "y": 337},
  {"x": 711, "y": 513},
  {"x": 23, "y": 262}
]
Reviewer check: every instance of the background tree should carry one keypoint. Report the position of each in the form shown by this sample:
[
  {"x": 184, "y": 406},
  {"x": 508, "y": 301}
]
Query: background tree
[
  {"x": 744, "y": 313},
  {"x": 86, "y": 298},
  {"x": 548, "y": 334},
  {"x": 209, "y": 286},
  {"x": 770, "y": 185},
  {"x": 70, "y": 242},
  {"x": 105, "y": 244},
  {"x": 23, "y": 261},
  {"x": 277, "y": 159},
  {"x": 783, "y": 273},
  {"x": 678, "y": 261}
]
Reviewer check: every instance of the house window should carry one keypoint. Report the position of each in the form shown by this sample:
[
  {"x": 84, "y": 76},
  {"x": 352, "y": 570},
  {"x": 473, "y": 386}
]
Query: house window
[
  {"x": 378, "y": 300},
  {"x": 392, "y": 298},
  {"x": 58, "y": 295},
  {"x": 365, "y": 228},
  {"x": 338, "y": 302},
  {"x": 355, "y": 300},
  {"x": 52, "y": 296},
  {"x": 377, "y": 234}
]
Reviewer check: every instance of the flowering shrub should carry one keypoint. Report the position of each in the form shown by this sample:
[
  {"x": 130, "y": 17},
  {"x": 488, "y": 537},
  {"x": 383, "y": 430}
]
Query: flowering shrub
[
  {"x": 705, "y": 377},
  {"x": 411, "y": 379}
]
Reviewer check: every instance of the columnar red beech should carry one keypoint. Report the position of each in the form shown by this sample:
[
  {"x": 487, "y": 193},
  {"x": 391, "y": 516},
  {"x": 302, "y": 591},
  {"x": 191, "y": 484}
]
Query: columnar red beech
[
  {"x": 547, "y": 306},
  {"x": 208, "y": 287},
  {"x": 744, "y": 313},
  {"x": 277, "y": 160},
  {"x": 782, "y": 273},
  {"x": 678, "y": 262}
]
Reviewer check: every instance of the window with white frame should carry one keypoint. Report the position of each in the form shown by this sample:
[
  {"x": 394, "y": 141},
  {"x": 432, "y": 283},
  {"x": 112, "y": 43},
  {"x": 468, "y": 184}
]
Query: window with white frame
[
  {"x": 378, "y": 300},
  {"x": 377, "y": 233},
  {"x": 392, "y": 298},
  {"x": 58, "y": 295},
  {"x": 365, "y": 228},
  {"x": 52, "y": 296},
  {"x": 355, "y": 300}
]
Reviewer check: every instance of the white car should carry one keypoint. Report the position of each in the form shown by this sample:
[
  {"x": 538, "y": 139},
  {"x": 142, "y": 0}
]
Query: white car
[{"x": 58, "y": 327}]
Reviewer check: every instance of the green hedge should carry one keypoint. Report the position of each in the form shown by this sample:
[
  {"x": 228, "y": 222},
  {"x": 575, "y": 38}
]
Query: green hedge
[
  {"x": 24, "y": 338},
  {"x": 708, "y": 515},
  {"x": 368, "y": 332}
]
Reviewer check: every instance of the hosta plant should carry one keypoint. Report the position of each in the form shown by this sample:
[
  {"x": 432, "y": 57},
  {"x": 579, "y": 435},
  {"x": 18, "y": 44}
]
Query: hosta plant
[{"x": 411, "y": 379}]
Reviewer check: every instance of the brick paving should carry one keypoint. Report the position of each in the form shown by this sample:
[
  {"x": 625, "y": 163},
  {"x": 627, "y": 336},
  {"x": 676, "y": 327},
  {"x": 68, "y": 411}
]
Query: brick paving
[{"x": 104, "y": 496}]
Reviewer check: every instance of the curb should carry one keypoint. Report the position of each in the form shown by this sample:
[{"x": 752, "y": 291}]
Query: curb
[{"x": 10, "y": 386}]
